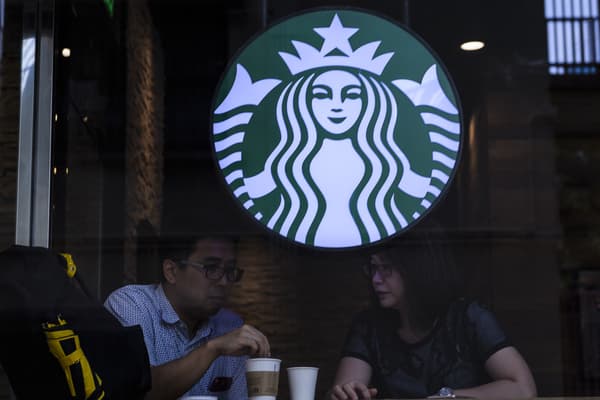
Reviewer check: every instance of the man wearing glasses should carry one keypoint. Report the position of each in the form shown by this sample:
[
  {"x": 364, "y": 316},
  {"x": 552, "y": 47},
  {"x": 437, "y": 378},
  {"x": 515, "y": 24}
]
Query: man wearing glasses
[{"x": 195, "y": 346}]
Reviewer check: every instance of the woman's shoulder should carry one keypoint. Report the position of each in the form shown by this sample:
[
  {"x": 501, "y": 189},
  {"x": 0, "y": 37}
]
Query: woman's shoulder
[
  {"x": 473, "y": 310},
  {"x": 476, "y": 322},
  {"x": 467, "y": 316}
]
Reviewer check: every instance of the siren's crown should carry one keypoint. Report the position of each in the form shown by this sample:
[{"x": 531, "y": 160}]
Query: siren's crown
[{"x": 335, "y": 37}]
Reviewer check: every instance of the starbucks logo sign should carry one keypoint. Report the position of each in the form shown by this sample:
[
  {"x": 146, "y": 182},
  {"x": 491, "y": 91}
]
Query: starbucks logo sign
[{"x": 336, "y": 128}]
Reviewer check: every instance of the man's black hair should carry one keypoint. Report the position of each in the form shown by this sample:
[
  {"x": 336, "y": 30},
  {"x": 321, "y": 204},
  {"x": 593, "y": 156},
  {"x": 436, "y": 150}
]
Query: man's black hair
[{"x": 181, "y": 247}]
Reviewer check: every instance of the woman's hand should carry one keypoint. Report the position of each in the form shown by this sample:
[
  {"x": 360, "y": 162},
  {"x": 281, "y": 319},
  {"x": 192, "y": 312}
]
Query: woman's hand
[
  {"x": 353, "y": 376},
  {"x": 352, "y": 391}
]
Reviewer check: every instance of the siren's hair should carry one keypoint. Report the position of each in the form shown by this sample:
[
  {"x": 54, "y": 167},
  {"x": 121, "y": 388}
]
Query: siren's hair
[{"x": 372, "y": 204}]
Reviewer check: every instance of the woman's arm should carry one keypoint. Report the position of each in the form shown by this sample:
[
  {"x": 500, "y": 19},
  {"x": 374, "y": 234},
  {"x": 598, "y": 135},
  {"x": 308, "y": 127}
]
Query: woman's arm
[
  {"x": 351, "y": 380},
  {"x": 511, "y": 378}
]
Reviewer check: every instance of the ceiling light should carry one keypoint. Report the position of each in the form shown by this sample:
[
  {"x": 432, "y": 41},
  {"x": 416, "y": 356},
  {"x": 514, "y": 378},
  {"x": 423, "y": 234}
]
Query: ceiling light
[
  {"x": 66, "y": 52},
  {"x": 472, "y": 45}
]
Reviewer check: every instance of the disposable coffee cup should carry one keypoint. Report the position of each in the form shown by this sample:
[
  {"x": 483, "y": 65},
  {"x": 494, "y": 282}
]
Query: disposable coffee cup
[
  {"x": 302, "y": 381},
  {"x": 262, "y": 378}
]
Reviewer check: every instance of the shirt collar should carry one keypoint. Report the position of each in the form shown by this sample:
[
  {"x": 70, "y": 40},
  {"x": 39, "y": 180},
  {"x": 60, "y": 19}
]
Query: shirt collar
[{"x": 167, "y": 313}]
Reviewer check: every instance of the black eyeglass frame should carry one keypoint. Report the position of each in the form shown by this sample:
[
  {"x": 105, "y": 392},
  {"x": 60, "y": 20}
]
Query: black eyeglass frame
[
  {"x": 213, "y": 271},
  {"x": 369, "y": 269}
]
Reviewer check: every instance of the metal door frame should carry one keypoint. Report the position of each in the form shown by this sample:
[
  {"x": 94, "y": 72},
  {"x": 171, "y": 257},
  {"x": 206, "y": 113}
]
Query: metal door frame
[{"x": 35, "y": 126}]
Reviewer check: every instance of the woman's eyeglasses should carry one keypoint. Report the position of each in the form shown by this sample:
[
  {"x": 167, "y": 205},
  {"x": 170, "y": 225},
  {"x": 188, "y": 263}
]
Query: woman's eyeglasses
[
  {"x": 385, "y": 270},
  {"x": 214, "y": 270}
]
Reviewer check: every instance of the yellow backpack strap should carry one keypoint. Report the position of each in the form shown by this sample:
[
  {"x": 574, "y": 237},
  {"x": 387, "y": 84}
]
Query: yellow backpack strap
[
  {"x": 71, "y": 267},
  {"x": 64, "y": 345}
]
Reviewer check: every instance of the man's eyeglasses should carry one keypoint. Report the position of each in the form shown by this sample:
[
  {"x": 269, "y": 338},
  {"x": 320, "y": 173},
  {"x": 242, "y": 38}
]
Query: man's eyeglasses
[
  {"x": 385, "y": 270},
  {"x": 214, "y": 270}
]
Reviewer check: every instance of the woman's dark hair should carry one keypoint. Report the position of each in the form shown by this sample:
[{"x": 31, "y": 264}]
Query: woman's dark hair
[
  {"x": 181, "y": 247},
  {"x": 426, "y": 265}
]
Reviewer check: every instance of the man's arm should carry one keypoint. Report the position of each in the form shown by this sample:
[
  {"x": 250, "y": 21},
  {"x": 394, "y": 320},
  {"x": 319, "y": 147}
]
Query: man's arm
[
  {"x": 511, "y": 377},
  {"x": 176, "y": 377}
]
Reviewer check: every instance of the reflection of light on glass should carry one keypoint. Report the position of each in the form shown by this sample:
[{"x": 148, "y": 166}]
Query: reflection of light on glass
[
  {"x": 55, "y": 117},
  {"x": 597, "y": 30},
  {"x": 567, "y": 6},
  {"x": 577, "y": 41},
  {"x": 560, "y": 42},
  {"x": 85, "y": 118},
  {"x": 54, "y": 170},
  {"x": 1, "y": 25},
  {"x": 587, "y": 42},
  {"x": 586, "y": 8},
  {"x": 67, "y": 171},
  {"x": 473, "y": 145},
  {"x": 577, "y": 9},
  {"x": 551, "y": 43},
  {"x": 472, "y": 45},
  {"x": 548, "y": 8},
  {"x": 66, "y": 52},
  {"x": 558, "y": 6},
  {"x": 569, "y": 41},
  {"x": 27, "y": 61},
  {"x": 572, "y": 42}
]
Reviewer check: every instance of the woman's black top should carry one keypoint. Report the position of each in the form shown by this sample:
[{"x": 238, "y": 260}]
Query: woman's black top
[{"x": 452, "y": 355}]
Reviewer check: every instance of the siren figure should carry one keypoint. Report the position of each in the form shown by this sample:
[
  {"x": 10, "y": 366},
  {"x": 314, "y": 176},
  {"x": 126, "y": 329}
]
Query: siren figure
[{"x": 336, "y": 140}]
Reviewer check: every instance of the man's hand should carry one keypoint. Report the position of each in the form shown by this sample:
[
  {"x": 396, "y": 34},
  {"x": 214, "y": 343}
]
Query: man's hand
[
  {"x": 352, "y": 391},
  {"x": 245, "y": 340}
]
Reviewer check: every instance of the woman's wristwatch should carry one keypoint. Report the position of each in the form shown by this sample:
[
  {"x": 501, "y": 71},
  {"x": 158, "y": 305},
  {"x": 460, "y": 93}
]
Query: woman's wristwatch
[{"x": 446, "y": 392}]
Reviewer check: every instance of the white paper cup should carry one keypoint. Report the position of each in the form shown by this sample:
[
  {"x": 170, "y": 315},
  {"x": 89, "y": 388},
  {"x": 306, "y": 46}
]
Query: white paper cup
[
  {"x": 262, "y": 378},
  {"x": 303, "y": 381}
]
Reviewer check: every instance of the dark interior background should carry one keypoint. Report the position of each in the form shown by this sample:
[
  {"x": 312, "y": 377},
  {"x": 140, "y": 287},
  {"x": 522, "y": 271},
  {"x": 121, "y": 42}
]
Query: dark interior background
[{"x": 133, "y": 165}]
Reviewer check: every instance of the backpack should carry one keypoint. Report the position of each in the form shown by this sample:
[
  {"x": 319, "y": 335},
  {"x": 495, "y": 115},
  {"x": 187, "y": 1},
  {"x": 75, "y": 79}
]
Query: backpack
[{"x": 56, "y": 341}]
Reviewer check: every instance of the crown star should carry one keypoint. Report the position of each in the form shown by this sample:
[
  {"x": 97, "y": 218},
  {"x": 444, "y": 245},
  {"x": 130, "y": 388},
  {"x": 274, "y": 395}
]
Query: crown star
[{"x": 336, "y": 36}]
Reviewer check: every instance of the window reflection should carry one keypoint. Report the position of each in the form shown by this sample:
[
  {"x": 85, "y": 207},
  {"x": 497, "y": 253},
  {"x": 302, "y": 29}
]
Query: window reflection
[{"x": 573, "y": 38}]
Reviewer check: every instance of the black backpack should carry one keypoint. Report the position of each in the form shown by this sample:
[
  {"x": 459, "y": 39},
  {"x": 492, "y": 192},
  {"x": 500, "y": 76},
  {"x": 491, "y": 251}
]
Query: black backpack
[{"x": 56, "y": 342}]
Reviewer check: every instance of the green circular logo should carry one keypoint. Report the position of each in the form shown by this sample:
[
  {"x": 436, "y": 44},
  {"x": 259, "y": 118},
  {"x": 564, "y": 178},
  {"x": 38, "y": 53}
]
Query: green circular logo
[{"x": 336, "y": 128}]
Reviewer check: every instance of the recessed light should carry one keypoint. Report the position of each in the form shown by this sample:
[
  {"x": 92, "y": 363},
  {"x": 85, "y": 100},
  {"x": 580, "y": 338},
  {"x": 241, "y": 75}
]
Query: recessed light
[
  {"x": 472, "y": 45},
  {"x": 66, "y": 52}
]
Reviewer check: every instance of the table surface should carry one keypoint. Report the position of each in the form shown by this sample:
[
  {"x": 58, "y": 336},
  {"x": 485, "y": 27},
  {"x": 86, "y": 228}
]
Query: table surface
[{"x": 551, "y": 398}]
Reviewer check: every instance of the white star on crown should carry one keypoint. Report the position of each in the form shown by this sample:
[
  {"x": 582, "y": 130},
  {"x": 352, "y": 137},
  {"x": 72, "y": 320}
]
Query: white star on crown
[{"x": 336, "y": 36}]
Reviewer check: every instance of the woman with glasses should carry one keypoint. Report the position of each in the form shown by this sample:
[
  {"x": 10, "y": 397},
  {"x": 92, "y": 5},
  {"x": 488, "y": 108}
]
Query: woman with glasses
[
  {"x": 420, "y": 339},
  {"x": 195, "y": 346}
]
